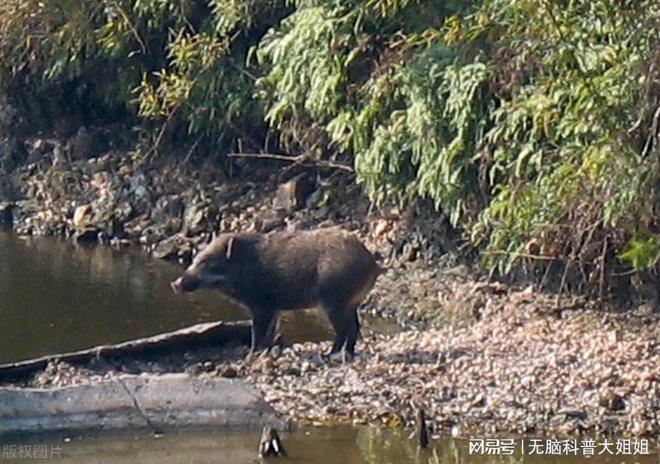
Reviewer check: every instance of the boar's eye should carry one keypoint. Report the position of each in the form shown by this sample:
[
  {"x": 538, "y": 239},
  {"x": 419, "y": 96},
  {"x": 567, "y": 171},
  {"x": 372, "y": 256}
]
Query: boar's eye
[{"x": 212, "y": 265}]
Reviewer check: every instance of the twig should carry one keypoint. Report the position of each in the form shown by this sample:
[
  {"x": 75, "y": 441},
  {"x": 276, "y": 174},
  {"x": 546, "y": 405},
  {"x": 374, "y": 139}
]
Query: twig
[
  {"x": 293, "y": 159},
  {"x": 159, "y": 138},
  {"x": 523, "y": 255},
  {"x": 130, "y": 25},
  {"x": 601, "y": 284},
  {"x": 563, "y": 282},
  {"x": 652, "y": 132},
  {"x": 546, "y": 274},
  {"x": 192, "y": 150}
]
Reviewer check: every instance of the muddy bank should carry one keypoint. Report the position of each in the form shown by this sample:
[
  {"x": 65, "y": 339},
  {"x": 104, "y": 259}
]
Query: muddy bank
[{"x": 516, "y": 369}]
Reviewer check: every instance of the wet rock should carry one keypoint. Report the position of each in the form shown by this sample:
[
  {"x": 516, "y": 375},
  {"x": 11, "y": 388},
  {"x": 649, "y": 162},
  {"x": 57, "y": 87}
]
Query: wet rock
[
  {"x": 86, "y": 235},
  {"x": 6, "y": 215},
  {"x": 82, "y": 216},
  {"x": 171, "y": 248}
]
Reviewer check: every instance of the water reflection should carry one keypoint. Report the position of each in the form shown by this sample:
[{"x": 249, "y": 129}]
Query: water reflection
[{"x": 364, "y": 445}]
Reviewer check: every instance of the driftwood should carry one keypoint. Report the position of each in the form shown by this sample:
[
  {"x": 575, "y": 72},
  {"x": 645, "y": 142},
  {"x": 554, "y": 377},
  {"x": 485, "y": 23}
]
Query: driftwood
[
  {"x": 212, "y": 334},
  {"x": 130, "y": 403},
  {"x": 152, "y": 402},
  {"x": 421, "y": 429},
  {"x": 301, "y": 160},
  {"x": 270, "y": 444}
]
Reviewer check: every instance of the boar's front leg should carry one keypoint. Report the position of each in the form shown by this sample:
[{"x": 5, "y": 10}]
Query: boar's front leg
[{"x": 263, "y": 329}]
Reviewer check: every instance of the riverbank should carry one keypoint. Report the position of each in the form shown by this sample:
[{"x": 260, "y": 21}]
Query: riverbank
[
  {"x": 516, "y": 370},
  {"x": 500, "y": 358}
]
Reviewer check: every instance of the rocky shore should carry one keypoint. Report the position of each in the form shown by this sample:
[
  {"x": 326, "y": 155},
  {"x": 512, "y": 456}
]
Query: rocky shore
[
  {"x": 482, "y": 356},
  {"x": 516, "y": 370}
]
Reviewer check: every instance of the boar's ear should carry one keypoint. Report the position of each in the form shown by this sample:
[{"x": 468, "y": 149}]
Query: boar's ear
[
  {"x": 230, "y": 247},
  {"x": 237, "y": 247}
]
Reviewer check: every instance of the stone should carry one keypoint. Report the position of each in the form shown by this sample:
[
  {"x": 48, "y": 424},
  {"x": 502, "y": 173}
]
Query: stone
[
  {"x": 6, "y": 215},
  {"x": 168, "y": 248},
  {"x": 82, "y": 145},
  {"x": 87, "y": 235},
  {"x": 82, "y": 216},
  {"x": 193, "y": 218},
  {"x": 292, "y": 194}
]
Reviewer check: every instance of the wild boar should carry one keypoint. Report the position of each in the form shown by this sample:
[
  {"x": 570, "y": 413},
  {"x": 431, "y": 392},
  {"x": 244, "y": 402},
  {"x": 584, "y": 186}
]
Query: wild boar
[{"x": 288, "y": 271}]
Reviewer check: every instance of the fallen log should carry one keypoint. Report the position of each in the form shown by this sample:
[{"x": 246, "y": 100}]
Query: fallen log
[
  {"x": 132, "y": 403},
  {"x": 154, "y": 402},
  {"x": 212, "y": 334}
]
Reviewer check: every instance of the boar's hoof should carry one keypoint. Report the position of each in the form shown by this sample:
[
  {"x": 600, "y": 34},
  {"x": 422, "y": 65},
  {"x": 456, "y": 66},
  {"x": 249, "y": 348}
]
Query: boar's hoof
[
  {"x": 176, "y": 286},
  {"x": 342, "y": 356}
]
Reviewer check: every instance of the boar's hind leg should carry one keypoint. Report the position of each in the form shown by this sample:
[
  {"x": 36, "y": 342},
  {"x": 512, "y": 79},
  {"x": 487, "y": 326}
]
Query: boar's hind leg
[
  {"x": 347, "y": 328},
  {"x": 263, "y": 329},
  {"x": 353, "y": 333}
]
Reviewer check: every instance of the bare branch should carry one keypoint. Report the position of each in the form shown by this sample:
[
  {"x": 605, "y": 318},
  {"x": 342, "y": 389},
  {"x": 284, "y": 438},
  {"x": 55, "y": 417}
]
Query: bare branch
[{"x": 301, "y": 159}]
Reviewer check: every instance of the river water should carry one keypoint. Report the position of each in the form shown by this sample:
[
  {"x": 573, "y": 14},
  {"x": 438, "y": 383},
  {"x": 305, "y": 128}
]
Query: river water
[
  {"x": 344, "y": 445},
  {"x": 57, "y": 297}
]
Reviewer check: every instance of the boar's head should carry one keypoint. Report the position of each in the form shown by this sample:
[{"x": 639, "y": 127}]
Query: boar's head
[{"x": 210, "y": 267}]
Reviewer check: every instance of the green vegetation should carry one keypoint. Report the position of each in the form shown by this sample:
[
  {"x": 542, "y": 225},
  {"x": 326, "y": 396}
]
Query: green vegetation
[{"x": 532, "y": 124}]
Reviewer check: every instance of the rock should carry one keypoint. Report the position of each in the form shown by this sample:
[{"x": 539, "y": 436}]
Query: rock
[
  {"x": 87, "y": 235},
  {"x": 170, "y": 206},
  {"x": 9, "y": 118},
  {"x": 169, "y": 248},
  {"x": 612, "y": 401},
  {"x": 227, "y": 372},
  {"x": 82, "y": 145},
  {"x": 193, "y": 217},
  {"x": 6, "y": 215},
  {"x": 138, "y": 190},
  {"x": 102, "y": 181},
  {"x": 123, "y": 211},
  {"x": 291, "y": 195},
  {"x": 82, "y": 216}
]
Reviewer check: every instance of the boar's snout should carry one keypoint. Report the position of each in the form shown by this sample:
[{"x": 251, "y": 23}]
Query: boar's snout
[
  {"x": 185, "y": 284},
  {"x": 177, "y": 286}
]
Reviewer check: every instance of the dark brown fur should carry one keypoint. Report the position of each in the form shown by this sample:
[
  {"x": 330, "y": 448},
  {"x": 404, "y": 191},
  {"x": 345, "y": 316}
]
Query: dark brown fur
[{"x": 288, "y": 271}]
